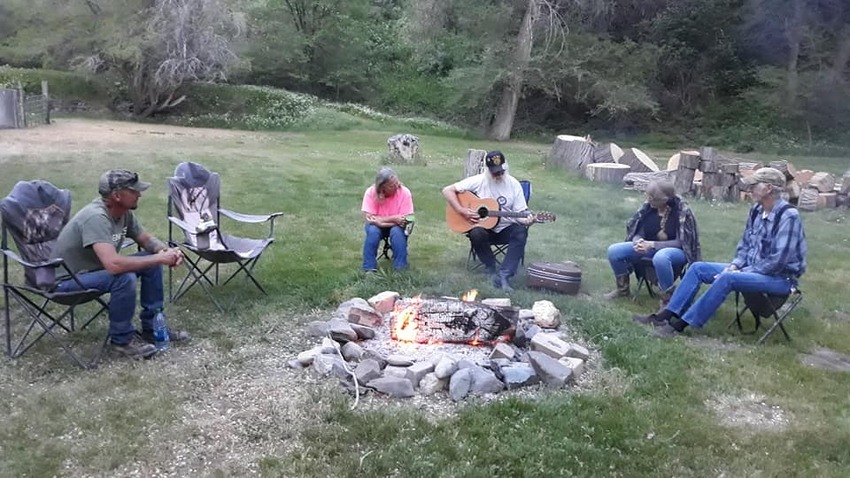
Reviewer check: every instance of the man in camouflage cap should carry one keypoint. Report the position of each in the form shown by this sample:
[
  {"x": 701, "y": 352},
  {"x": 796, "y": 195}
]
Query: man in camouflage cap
[
  {"x": 90, "y": 245},
  {"x": 770, "y": 258}
]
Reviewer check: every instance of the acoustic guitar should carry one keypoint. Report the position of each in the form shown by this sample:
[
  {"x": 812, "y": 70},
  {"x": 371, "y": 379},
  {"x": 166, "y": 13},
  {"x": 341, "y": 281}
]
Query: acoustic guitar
[{"x": 488, "y": 210}]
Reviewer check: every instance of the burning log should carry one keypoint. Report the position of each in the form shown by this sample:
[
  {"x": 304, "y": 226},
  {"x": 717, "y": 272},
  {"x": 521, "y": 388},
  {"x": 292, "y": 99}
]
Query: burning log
[{"x": 447, "y": 320}]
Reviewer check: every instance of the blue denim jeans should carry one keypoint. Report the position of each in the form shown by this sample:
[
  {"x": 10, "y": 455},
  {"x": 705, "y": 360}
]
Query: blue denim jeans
[
  {"x": 398, "y": 243},
  {"x": 515, "y": 236},
  {"x": 722, "y": 283},
  {"x": 122, "y": 297},
  {"x": 623, "y": 257}
]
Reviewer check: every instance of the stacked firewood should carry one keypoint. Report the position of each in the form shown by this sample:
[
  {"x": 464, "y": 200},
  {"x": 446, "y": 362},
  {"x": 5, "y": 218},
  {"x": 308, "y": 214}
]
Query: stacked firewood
[{"x": 702, "y": 173}]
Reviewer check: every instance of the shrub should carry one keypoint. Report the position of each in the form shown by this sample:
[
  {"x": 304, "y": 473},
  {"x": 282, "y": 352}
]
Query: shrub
[
  {"x": 246, "y": 107},
  {"x": 62, "y": 84}
]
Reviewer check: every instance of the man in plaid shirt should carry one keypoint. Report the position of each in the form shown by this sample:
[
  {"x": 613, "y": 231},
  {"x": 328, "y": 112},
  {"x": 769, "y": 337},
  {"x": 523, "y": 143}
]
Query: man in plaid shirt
[{"x": 770, "y": 258}]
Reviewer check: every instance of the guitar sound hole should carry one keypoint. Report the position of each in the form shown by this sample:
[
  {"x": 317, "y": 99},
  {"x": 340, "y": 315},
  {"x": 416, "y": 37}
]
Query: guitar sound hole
[{"x": 482, "y": 212}]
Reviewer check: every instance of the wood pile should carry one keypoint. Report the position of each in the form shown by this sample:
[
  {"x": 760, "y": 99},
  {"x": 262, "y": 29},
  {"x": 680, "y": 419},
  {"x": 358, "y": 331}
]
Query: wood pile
[{"x": 702, "y": 173}]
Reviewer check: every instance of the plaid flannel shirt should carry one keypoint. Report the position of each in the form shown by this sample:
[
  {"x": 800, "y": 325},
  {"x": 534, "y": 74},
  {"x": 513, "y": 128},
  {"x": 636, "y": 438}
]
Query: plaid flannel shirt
[{"x": 783, "y": 254}]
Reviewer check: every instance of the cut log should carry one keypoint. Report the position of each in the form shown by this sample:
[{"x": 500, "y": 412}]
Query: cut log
[
  {"x": 826, "y": 200},
  {"x": 639, "y": 181},
  {"x": 607, "y": 172},
  {"x": 746, "y": 169},
  {"x": 792, "y": 187},
  {"x": 808, "y": 200},
  {"x": 607, "y": 153},
  {"x": 803, "y": 176},
  {"x": 785, "y": 166},
  {"x": 448, "y": 320},
  {"x": 823, "y": 182},
  {"x": 638, "y": 161},
  {"x": 474, "y": 162},
  {"x": 571, "y": 152},
  {"x": 844, "y": 188}
]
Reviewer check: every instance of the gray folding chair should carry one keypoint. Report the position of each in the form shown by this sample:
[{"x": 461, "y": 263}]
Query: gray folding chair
[
  {"x": 766, "y": 306},
  {"x": 193, "y": 206},
  {"x": 33, "y": 214}
]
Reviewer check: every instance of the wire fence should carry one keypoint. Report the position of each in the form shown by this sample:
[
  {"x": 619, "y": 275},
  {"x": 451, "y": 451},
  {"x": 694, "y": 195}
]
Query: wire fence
[{"x": 20, "y": 110}]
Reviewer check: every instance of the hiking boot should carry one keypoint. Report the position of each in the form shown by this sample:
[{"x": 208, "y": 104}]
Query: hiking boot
[
  {"x": 651, "y": 319},
  {"x": 622, "y": 289},
  {"x": 666, "y": 296},
  {"x": 501, "y": 282},
  {"x": 173, "y": 335},
  {"x": 135, "y": 349}
]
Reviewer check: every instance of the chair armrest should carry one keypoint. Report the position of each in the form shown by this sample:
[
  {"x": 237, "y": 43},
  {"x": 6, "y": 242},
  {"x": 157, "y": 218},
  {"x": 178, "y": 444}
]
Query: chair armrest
[
  {"x": 51, "y": 263},
  {"x": 181, "y": 224},
  {"x": 249, "y": 218}
]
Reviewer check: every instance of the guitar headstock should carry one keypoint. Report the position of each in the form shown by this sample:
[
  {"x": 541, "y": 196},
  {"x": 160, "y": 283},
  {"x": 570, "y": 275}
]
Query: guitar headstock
[{"x": 543, "y": 216}]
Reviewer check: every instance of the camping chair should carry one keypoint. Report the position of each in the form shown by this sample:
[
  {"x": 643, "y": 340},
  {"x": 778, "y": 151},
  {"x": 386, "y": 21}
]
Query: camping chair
[
  {"x": 193, "y": 206},
  {"x": 764, "y": 306},
  {"x": 387, "y": 245},
  {"x": 645, "y": 275},
  {"x": 34, "y": 214},
  {"x": 499, "y": 250}
]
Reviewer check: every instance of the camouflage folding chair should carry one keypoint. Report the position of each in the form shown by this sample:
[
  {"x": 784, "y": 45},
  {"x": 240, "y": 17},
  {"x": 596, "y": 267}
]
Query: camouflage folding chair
[
  {"x": 193, "y": 206},
  {"x": 33, "y": 214}
]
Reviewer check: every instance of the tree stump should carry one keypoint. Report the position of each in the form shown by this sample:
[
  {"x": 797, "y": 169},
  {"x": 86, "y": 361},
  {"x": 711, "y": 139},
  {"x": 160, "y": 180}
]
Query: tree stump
[
  {"x": 404, "y": 148},
  {"x": 607, "y": 172},
  {"x": 803, "y": 176},
  {"x": 474, "y": 162},
  {"x": 638, "y": 161},
  {"x": 571, "y": 152},
  {"x": 785, "y": 166},
  {"x": 639, "y": 181},
  {"x": 607, "y": 153},
  {"x": 845, "y": 184},
  {"x": 447, "y": 320}
]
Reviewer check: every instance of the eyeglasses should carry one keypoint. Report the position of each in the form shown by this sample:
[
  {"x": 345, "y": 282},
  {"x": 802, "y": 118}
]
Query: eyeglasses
[{"x": 498, "y": 173}]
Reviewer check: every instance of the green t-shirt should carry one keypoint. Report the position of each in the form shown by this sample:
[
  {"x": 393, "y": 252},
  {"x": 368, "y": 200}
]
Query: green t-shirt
[{"x": 92, "y": 225}]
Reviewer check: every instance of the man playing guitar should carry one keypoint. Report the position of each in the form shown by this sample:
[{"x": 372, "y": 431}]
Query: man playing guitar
[{"x": 495, "y": 183}]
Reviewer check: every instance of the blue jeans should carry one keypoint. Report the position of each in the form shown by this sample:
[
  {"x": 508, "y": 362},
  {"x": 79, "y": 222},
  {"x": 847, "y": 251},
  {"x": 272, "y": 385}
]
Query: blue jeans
[
  {"x": 725, "y": 282},
  {"x": 623, "y": 257},
  {"x": 515, "y": 236},
  {"x": 122, "y": 297},
  {"x": 398, "y": 243}
]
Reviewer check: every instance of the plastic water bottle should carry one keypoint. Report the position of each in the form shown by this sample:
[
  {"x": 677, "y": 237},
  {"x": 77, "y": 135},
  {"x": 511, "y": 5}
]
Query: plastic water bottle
[{"x": 160, "y": 332}]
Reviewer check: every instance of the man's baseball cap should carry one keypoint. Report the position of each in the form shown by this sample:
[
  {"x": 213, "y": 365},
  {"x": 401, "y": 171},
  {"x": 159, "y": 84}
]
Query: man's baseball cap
[
  {"x": 770, "y": 176},
  {"x": 495, "y": 161},
  {"x": 117, "y": 179}
]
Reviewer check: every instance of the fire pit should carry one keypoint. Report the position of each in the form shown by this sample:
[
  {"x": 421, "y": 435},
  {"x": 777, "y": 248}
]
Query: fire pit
[{"x": 396, "y": 346}]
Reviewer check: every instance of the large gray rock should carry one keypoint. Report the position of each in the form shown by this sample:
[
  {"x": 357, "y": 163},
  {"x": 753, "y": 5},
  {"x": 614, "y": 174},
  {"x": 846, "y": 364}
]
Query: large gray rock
[
  {"x": 393, "y": 386},
  {"x": 430, "y": 384},
  {"x": 550, "y": 344},
  {"x": 502, "y": 350},
  {"x": 324, "y": 364},
  {"x": 460, "y": 384},
  {"x": 306, "y": 357},
  {"x": 574, "y": 364},
  {"x": 446, "y": 367},
  {"x": 345, "y": 307},
  {"x": 365, "y": 316},
  {"x": 418, "y": 370},
  {"x": 367, "y": 371},
  {"x": 363, "y": 332},
  {"x": 518, "y": 375},
  {"x": 484, "y": 381},
  {"x": 553, "y": 373},
  {"x": 578, "y": 351},
  {"x": 352, "y": 352},
  {"x": 317, "y": 328},
  {"x": 399, "y": 360},
  {"x": 341, "y": 332}
]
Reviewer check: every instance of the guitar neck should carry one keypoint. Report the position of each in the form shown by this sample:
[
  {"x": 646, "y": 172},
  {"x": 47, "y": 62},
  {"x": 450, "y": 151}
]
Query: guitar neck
[{"x": 507, "y": 213}]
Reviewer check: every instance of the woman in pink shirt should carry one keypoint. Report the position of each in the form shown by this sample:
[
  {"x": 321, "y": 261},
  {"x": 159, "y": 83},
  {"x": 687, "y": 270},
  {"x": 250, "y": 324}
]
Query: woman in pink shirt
[{"x": 386, "y": 207}]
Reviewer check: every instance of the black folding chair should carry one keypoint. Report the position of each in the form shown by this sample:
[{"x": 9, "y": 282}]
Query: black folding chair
[
  {"x": 33, "y": 214},
  {"x": 193, "y": 206},
  {"x": 499, "y": 250},
  {"x": 646, "y": 276},
  {"x": 387, "y": 244},
  {"x": 765, "y": 306}
]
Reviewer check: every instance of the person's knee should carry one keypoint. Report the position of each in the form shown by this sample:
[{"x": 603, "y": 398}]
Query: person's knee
[
  {"x": 520, "y": 233},
  {"x": 124, "y": 282},
  {"x": 660, "y": 260},
  {"x": 479, "y": 235}
]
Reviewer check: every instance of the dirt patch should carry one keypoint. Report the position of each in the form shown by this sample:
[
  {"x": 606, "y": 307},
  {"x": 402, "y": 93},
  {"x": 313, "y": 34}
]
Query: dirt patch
[
  {"x": 714, "y": 345},
  {"x": 827, "y": 359},
  {"x": 82, "y": 136},
  {"x": 748, "y": 411}
]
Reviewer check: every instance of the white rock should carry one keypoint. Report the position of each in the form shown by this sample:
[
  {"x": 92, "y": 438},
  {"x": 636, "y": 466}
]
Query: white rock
[
  {"x": 574, "y": 364},
  {"x": 546, "y": 315}
]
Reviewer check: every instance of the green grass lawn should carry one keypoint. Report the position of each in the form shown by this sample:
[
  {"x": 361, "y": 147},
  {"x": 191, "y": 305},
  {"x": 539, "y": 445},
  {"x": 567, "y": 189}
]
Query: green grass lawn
[{"x": 227, "y": 405}]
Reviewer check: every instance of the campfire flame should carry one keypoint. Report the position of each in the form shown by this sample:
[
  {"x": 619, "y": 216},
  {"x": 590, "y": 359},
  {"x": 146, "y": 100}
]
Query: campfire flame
[
  {"x": 405, "y": 323},
  {"x": 470, "y": 295}
]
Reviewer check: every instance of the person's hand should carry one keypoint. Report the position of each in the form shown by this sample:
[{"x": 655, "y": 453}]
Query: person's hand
[
  {"x": 527, "y": 220},
  {"x": 642, "y": 246},
  {"x": 729, "y": 268},
  {"x": 471, "y": 216},
  {"x": 171, "y": 257}
]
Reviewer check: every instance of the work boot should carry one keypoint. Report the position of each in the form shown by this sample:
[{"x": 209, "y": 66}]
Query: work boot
[
  {"x": 135, "y": 349},
  {"x": 651, "y": 319},
  {"x": 622, "y": 288},
  {"x": 500, "y": 281}
]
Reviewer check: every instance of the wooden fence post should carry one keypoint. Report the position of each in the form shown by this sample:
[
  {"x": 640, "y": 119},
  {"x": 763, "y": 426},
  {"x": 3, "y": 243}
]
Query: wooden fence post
[{"x": 45, "y": 97}]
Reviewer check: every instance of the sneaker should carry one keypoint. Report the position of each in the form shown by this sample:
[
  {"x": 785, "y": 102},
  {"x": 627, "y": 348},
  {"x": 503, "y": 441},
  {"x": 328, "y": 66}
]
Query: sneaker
[
  {"x": 173, "y": 335},
  {"x": 135, "y": 349},
  {"x": 650, "y": 319}
]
